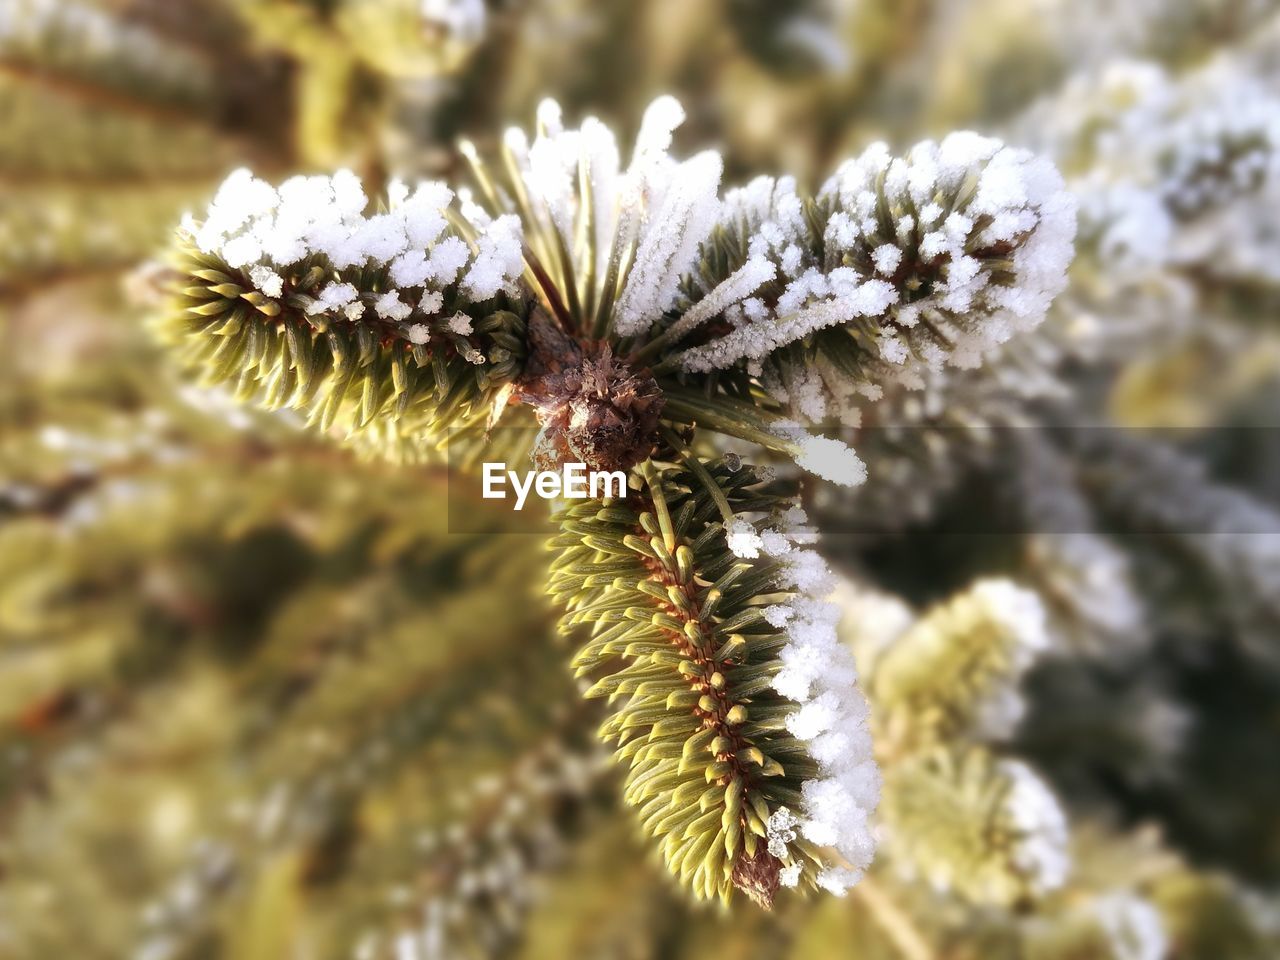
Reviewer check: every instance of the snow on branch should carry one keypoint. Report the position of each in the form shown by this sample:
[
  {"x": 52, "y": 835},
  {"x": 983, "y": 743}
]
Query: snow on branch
[{"x": 928, "y": 259}]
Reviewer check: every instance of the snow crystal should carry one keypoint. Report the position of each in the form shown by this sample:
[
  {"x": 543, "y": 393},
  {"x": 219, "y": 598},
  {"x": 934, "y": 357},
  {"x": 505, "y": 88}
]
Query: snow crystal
[
  {"x": 831, "y": 460},
  {"x": 849, "y": 299},
  {"x": 792, "y": 259},
  {"x": 550, "y": 117},
  {"x": 778, "y": 614},
  {"x": 741, "y": 536},
  {"x": 250, "y": 224},
  {"x": 498, "y": 262},
  {"x": 808, "y": 573},
  {"x": 599, "y": 151},
  {"x": 410, "y": 269},
  {"x": 432, "y": 301},
  {"x": 892, "y": 349},
  {"x": 242, "y": 251},
  {"x": 775, "y": 544},
  {"x": 665, "y": 208},
  {"x": 831, "y": 717},
  {"x": 447, "y": 258},
  {"x": 389, "y": 306},
  {"x": 334, "y": 296},
  {"x": 886, "y": 258},
  {"x": 780, "y": 831},
  {"x": 267, "y": 280},
  {"x": 661, "y": 118},
  {"x": 1041, "y": 850},
  {"x": 740, "y": 284},
  {"x": 552, "y": 175},
  {"x": 669, "y": 242}
]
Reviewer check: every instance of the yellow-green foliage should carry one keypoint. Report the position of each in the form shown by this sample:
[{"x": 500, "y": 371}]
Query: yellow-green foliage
[
  {"x": 72, "y": 228},
  {"x": 397, "y": 37},
  {"x": 975, "y": 825},
  {"x": 959, "y": 660},
  {"x": 83, "y": 43},
  {"x": 96, "y": 145}
]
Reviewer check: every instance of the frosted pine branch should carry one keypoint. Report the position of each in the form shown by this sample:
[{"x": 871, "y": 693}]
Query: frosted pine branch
[
  {"x": 928, "y": 259},
  {"x": 954, "y": 671},
  {"x": 742, "y": 725},
  {"x": 391, "y": 325},
  {"x": 989, "y": 830}
]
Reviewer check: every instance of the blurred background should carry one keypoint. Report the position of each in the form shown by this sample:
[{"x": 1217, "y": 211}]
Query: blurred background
[{"x": 257, "y": 702}]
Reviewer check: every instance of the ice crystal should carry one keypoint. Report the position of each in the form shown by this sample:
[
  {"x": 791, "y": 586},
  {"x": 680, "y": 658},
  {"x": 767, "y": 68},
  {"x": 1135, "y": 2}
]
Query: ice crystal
[
  {"x": 269, "y": 232},
  {"x": 818, "y": 674}
]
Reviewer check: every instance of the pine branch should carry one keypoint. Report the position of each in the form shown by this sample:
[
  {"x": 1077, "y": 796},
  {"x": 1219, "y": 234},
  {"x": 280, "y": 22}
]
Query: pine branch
[
  {"x": 84, "y": 230},
  {"x": 47, "y": 136},
  {"x": 83, "y": 50},
  {"x": 734, "y": 690},
  {"x": 477, "y": 871},
  {"x": 956, "y": 670},
  {"x": 349, "y": 344},
  {"x": 988, "y": 829},
  {"x": 700, "y": 717},
  {"x": 897, "y": 264}
]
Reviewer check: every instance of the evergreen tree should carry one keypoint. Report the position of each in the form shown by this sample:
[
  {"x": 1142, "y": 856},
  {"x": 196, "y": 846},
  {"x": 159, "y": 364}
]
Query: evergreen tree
[{"x": 876, "y": 612}]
